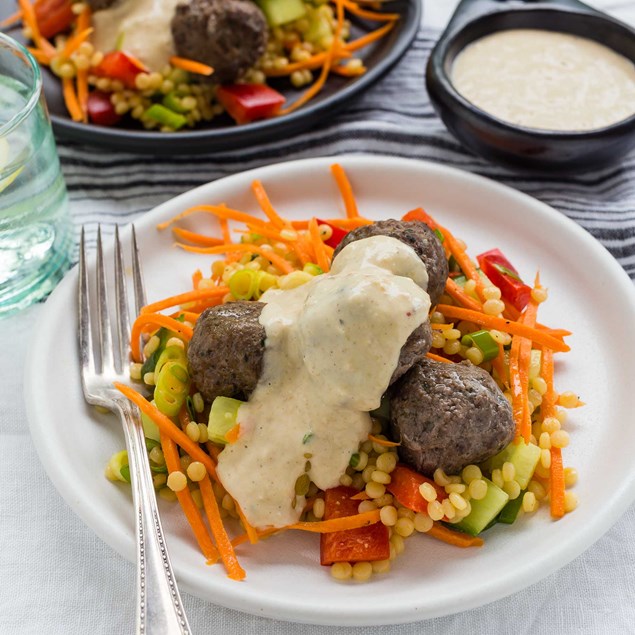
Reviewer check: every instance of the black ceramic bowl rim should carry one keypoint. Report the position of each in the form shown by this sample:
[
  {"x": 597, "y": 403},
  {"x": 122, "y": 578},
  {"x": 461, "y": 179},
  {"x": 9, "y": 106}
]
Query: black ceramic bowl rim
[
  {"x": 235, "y": 137},
  {"x": 444, "y": 80}
]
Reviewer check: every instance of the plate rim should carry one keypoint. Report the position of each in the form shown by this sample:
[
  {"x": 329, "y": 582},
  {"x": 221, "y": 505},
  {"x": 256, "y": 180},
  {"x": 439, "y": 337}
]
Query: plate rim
[{"x": 377, "y": 615}]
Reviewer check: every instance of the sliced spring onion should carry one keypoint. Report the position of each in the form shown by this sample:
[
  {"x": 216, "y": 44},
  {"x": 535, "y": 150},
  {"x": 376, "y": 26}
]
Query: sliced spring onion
[
  {"x": 172, "y": 102},
  {"x": 244, "y": 284},
  {"x": 483, "y": 341},
  {"x": 165, "y": 116}
]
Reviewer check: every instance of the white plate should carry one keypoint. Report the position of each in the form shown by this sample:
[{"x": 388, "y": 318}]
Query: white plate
[{"x": 589, "y": 294}]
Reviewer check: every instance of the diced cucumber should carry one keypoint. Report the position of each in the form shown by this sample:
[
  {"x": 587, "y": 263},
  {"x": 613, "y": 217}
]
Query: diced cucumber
[
  {"x": 510, "y": 512},
  {"x": 280, "y": 12},
  {"x": 523, "y": 456},
  {"x": 484, "y": 510},
  {"x": 223, "y": 416}
]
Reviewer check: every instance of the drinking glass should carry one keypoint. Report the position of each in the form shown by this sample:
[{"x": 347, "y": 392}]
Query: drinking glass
[{"x": 35, "y": 227}]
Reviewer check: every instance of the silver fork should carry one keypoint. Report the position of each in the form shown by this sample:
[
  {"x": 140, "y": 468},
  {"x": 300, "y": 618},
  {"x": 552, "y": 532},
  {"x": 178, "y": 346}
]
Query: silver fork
[{"x": 159, "y": 606}]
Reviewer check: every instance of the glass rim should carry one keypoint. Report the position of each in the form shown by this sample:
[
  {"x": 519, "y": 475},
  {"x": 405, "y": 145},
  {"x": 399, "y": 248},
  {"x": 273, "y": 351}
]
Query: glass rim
[{"x": 35, "y": 87}]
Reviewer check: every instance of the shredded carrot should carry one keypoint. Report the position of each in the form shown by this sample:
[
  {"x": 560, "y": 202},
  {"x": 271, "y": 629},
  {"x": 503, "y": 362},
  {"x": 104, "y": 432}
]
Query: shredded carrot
[
  {"x": 467, "y": 266},
  {"x": 362, "y": 496},
  {"x": 501, "y": 324},
  {"x": 225, "y": 547},
  {"x": 276, "y": 260},
  {"x": 251, "y": 531},
  {"x": 318, "y": 246},
  {"x": 346, "y": 70},
  {"x": 524, "y": 360},
  {"x": 342, "y": 223},
  {"x": 213, "y": 450},
  {"x": 261, "y": 533},
  {"x": 11, "y": 20},
  {"x": 311, "y": 63},
  {"x": 458, "y": 293},
  {"x": 369, "y": 38},
  {"x": 441, "y": 327},
  {"x": 338, "y": 524},
  {"x": 549, "y": 399},
  {"x": 183, "y": 298},
  {"x": 515, "y": 384},
  {"x": 167, "y": 427},
  {"x": 40, "y": 57},
  {"x": 191, "y": 66},
  {"x": 197, "y": 276},
  {"x": 160, "y": 320},
  {"x": 438, "y": 358},
  {"x": 265, "y": 204},
  {"x": 498, "y": 364},
  {"x": 557, "y": 485},
  {"x": 29, "y": 20},
  {"x": 221, "y": 211},
  {"x": 383, "y": 442},
  {"x": 224, "y": 228},
  {"x": 74, "y": 42},
  {"x": 197, "y": 239},
  {"x": 173, "y": 463},
  {"x": 233, "y": 433},
  {"x": 346, "y": 190},
  {"x": 82, "y": 92},
  {"x": 456, "y": 538},
  {"x": 70, "y": 99},
  {"x": 355, "y": 9},
  {"x": 83, "y": 19}
]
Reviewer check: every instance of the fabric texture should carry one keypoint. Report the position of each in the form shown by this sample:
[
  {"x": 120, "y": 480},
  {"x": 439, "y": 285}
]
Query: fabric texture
[{"x": 58, "y": 577}]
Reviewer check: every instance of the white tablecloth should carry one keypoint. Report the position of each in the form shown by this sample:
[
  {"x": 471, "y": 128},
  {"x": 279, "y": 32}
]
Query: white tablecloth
[{"x": 56, "y": 576}]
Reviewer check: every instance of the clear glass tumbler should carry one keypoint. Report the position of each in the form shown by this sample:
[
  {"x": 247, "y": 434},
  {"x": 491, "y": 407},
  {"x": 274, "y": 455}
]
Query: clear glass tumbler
[{"x": 35, "y": 227}]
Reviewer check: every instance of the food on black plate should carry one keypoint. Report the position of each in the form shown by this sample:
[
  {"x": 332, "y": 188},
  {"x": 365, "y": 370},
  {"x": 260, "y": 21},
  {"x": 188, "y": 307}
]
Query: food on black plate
[
  {"x": 418, "y": 236},
  {"x": 448, "y": 416},
  {"x": 229, "y": 35}
]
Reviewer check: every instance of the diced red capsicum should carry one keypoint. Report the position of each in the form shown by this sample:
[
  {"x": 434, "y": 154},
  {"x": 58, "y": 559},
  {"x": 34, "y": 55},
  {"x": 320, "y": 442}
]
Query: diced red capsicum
[
  {"x": 404, "y": 486},
  {"x": 121, "y": 66},
  {"x": 337, "y": 235},
  {"x": 502, "y": 273},
  {"x": 248, "y": 102},
  {"x": 365, "y": 544},
  {"x": 53, "y": 16}
]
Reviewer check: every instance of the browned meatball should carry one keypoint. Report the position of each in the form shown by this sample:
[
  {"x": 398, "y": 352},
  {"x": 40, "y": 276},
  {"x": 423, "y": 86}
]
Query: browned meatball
[
  {"x": 226, "y": 351},
  {"x": 414, "y": 350},
  {"x": 448, "y": 415},
  {"x": 418, "y": 236},
  {"x": 229, "y": 35}
]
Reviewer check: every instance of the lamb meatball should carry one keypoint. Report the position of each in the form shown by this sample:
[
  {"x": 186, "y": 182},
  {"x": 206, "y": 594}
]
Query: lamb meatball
[
  {"x": 226, "y": 351},
  {"x": 414, "y": 350},
  {"x": 418, "y": 236},
  {"x": 229, "y": 35},
  {"x": 448, "y": 416}
]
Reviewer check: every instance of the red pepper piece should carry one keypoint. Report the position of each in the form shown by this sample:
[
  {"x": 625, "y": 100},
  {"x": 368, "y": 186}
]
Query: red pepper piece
[
  {"x": 53, "y": 16},
  {"x": 121, "y": 66},
  {"x": 248, "y": 102},
  {"x": 337, "y": 235},
  {"x": 404, "y": 486},
  {"x": 100, "y": 109},
  {"x": 502, "y": 273},
  {"x": 420, "y": 214},
  {"x": 365, "y": 544}
]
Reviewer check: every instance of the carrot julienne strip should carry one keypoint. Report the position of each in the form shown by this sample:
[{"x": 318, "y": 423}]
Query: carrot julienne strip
[
  {"x": 74, "y": 42},
  {"x": 40, "y": 57},
  {"x": 29, "y": 19},
  {"x": 458, "y": 539},
  {"x": 182, "y": 298},
  {"x": 160, "y": 320},
  {"x": 369, "y": 38},
  {"x": 11, "y": 20},
  {"x": 250, "y": 530},
  {"x": 318, "y": 246},
  {"x": 70, "y": 99},
  {"x": 501, "y": 324},
  {"x": 338, "y": 524},
  {"x": 273, "y": 258},
  {"x": 173, "y": 463},
  {"x": 167, "y": 427},
  {"x": 197, "y": 239},
  {"x": 438, "y": 358},
  {"x": 441, "y": 327},
  {"x": 220, "y": 211},
  {"x": 355, "y": 9},
  {"x": 265, "y": 204},
  {"x": 458, "y": 293},
  {"x": 225, "y": 547},
  {"x": 348, "y": 71},
  {"x": 191, "y": 66},
  {"x": 383, "y": 442},
  {"x": 346, "y": 191}
]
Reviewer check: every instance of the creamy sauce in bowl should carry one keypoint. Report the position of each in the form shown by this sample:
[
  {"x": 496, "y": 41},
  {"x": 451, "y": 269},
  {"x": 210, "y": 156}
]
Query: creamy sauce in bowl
[
  {"x": 546, "y": 80},
  {"x": 331, "y": 348},
  {"x": 145, "y": 25}
]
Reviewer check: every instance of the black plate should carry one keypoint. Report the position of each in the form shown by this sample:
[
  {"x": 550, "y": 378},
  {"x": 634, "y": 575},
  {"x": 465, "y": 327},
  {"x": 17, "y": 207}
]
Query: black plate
[{"x": 223, "y": 134}]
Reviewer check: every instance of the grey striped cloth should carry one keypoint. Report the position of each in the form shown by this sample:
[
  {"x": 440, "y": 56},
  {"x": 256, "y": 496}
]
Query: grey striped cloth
[{"x": 394, "y": 117}]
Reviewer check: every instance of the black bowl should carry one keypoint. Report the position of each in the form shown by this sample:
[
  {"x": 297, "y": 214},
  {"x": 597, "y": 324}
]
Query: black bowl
[{"x": 506, "y": 143}]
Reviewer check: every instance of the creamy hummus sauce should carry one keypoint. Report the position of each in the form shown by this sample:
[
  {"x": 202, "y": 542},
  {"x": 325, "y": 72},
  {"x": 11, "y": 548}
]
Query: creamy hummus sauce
[
  {"x": 145, "y": 25},
  {"x": 547, "y": 80},
  {"x": 331, "y": 348}
]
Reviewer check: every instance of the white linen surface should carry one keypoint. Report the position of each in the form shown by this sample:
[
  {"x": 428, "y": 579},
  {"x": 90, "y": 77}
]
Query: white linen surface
[{"x": 56, "y": 576}]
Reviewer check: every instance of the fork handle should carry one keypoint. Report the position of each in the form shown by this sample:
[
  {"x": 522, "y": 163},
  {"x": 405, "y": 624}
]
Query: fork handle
[{"x": 159, "y": 606}]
